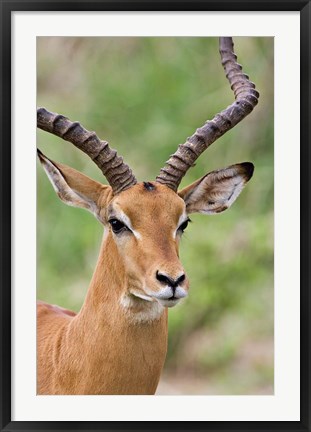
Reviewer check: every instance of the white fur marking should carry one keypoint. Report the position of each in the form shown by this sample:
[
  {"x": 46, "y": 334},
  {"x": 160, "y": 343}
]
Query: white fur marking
[
  {"x": 181, "y": 220},
  {"x": 126, "y": 220},
  {"x": 237, "y": 190},
  {"x": 167, "y": 292},
  {"x": 141, "y": 296},
  {"x": 152, "y": 310}
]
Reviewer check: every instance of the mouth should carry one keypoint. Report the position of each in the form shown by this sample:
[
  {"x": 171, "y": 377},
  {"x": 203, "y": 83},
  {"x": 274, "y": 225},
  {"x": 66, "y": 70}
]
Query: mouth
[
  {"x": 161, "y": 297},
  {"x": 170, "y": 302},
  {"x": 169, "y": 297}
]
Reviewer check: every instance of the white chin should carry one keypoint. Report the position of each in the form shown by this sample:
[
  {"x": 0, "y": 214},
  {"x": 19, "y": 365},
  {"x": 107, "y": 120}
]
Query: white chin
[{"x": 168, "y": 303}]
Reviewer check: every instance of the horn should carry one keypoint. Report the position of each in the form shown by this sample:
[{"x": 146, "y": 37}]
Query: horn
[
  {"x": 246, "y": 98},
  {"x": 118, "y": 174}
]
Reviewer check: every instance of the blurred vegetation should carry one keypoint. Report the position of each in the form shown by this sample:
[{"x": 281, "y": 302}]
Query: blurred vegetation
[{"x": 145, "y": 96}]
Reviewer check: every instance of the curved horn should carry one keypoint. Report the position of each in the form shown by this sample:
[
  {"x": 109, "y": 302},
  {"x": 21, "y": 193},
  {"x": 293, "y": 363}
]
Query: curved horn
[
  {"x": 118, "y": 174},
  {"x": 246, "y": 98}
]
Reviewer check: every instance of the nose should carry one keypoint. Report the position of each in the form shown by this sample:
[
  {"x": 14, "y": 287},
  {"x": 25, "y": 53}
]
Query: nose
[{"x": 168, "y": 280}]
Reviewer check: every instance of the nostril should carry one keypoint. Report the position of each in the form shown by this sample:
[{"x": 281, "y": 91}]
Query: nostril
[
  {"x": 162, "y": 278},
  {"x": 170, "y": 281},
  {"x": 181, "y": 279}
]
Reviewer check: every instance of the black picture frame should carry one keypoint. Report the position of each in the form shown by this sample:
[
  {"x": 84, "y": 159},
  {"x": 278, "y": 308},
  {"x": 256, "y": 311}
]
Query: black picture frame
[{"x": 7, "y": 7}]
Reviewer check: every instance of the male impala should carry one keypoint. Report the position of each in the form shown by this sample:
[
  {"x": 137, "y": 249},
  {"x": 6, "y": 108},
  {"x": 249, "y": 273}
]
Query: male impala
[{"x": 117, "y": 343}]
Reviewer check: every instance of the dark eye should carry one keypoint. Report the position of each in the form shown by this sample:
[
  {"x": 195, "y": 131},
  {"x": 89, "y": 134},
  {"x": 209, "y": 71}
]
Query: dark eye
[
  {"x": 184, "y": 225},
  {"x": 117, "y": 226}
]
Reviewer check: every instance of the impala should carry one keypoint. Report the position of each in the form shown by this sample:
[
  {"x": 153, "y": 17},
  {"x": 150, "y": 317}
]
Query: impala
[{"x": 117, "y": 342}]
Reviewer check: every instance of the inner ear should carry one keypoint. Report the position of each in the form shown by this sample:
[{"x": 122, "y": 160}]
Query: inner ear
[
  {"x": 74, "y": 188},
  {"x": 217, "y": 190}
]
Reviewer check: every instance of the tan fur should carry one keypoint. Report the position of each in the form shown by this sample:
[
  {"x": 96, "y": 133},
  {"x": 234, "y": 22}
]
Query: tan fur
[
  {"x": 100, "y": 350},
  {"x": 104, "y": 349},
  {"x": 117, "y": 343}
]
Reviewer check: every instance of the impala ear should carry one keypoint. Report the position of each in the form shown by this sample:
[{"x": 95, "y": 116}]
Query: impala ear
[
  {"x": 216, "y": 191},
  {"x": 75, "y": 188}
]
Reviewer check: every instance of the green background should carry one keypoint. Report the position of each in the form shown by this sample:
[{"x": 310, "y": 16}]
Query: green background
[{"x": 146, "y": 96}]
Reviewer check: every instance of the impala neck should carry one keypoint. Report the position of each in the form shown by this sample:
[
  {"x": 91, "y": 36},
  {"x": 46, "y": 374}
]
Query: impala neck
[
  {"x": 115, "y": 340},
  {"x": 107, "y": 299}
]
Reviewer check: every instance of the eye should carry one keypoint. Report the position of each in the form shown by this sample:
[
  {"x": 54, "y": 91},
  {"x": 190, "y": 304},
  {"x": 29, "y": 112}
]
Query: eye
[
  {"x": 183, "y": 226},
  {"x": 117, "y": 226}
]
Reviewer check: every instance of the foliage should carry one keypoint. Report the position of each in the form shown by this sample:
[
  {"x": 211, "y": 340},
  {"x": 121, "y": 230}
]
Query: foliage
[{"x": 145, "y": 96}]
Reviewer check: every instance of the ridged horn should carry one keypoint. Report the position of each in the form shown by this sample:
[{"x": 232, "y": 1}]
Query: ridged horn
[
  {"x": 118, "y": 174},
  {"x": 246, "y": 98}
]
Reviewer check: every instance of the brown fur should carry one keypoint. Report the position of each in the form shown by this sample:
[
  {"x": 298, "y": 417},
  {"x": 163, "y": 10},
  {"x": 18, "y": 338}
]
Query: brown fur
[
  {"x": 117, "y": 343},
  {"x": 100, "y": 350}
]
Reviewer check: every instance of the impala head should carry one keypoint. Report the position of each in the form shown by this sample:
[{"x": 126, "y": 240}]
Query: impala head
[{"x": 145, "y": 221}]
